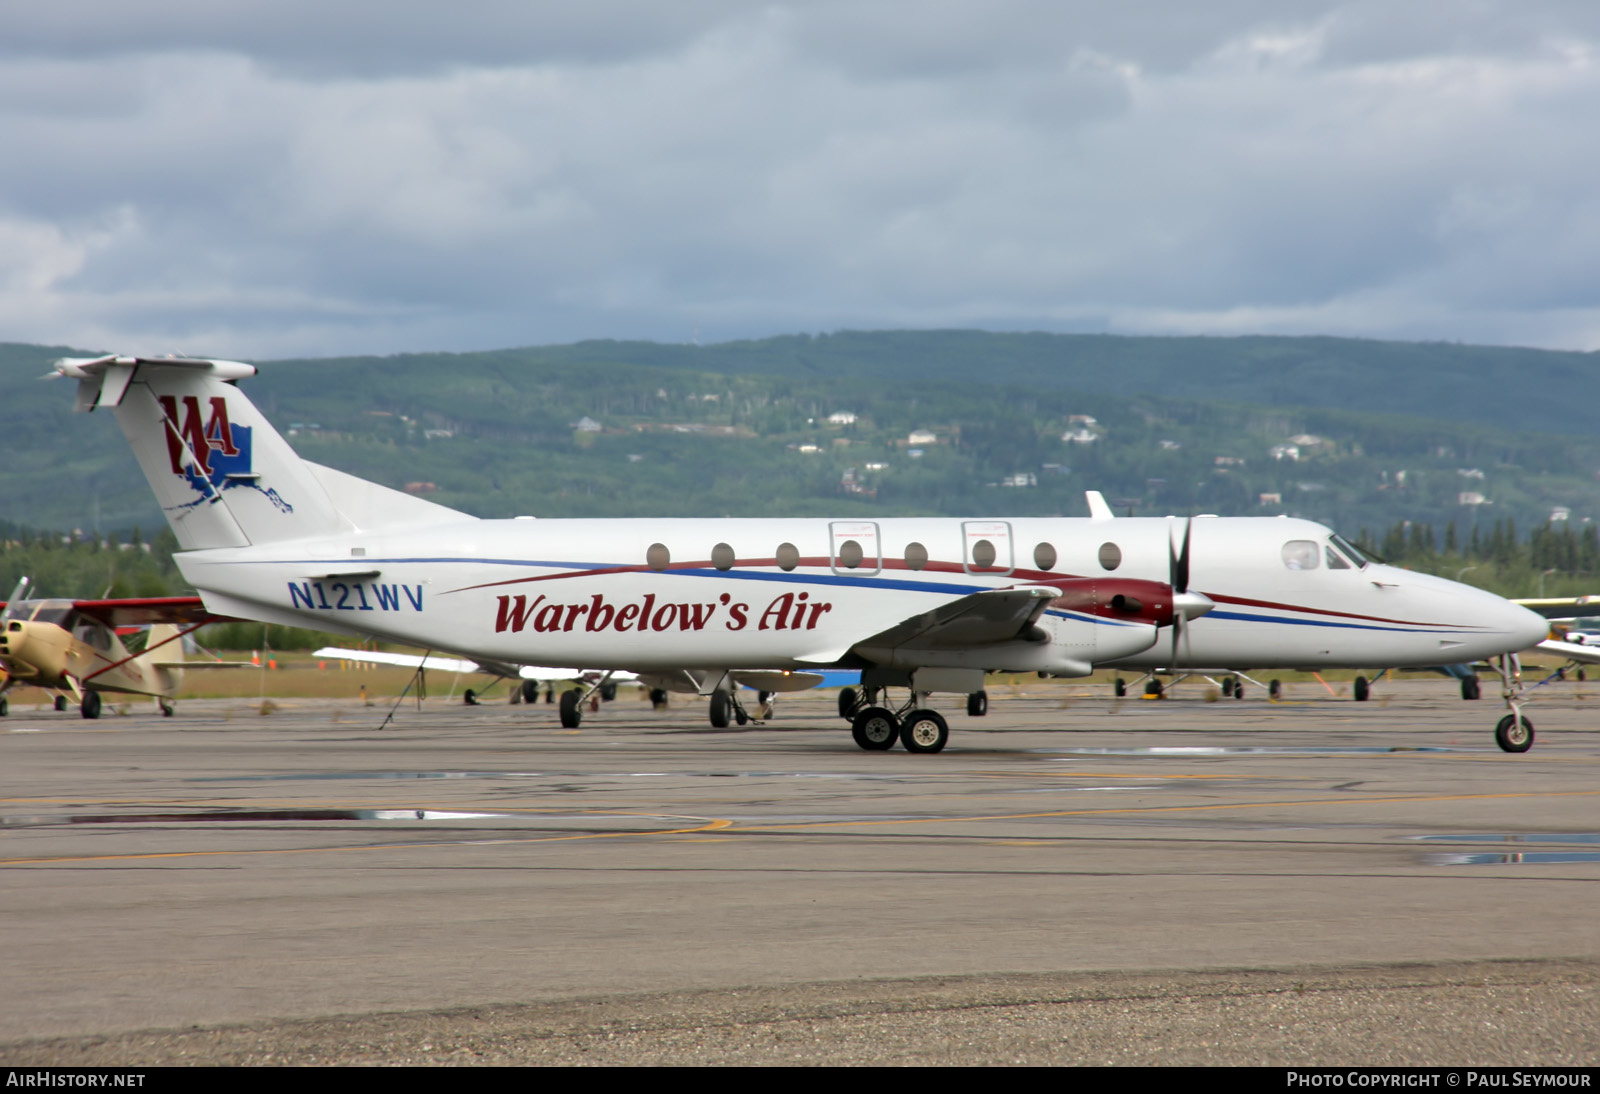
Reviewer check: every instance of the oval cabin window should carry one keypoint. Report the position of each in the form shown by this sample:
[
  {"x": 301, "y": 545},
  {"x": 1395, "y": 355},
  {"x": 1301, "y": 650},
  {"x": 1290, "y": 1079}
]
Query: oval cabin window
[
  {"x": 1044, "y": 556},
  {"x": 850, "y": 554},
  {"x": 788, "y": 556},
  {"x": 916, "y": 556},
  {"x": 1110, "y": 556},
  {"x": 658, "y": 557},
  {"x": 722, "y": 556}
]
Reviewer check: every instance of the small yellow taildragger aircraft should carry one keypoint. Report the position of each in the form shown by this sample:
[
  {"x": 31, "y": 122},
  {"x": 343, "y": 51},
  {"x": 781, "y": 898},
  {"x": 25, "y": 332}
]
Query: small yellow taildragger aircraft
[{"x": 78, "y": 647}]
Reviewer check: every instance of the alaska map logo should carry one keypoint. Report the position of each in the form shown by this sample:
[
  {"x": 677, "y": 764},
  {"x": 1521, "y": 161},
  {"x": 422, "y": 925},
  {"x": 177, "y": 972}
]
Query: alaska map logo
[{"x": 220, "y": 452}]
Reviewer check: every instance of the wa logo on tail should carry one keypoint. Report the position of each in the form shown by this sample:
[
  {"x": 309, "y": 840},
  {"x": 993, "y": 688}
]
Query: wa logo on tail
[{"x": 210, "y": 453}]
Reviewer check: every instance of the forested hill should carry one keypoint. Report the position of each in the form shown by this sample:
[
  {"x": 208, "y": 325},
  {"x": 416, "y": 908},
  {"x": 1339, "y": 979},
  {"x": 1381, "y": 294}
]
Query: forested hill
[
  {"x": 1515, "y": 388},
  {"x": 1020, "y": 424}
]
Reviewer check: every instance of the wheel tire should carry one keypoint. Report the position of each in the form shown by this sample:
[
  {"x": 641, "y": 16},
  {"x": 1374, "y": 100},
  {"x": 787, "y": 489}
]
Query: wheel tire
[
  {"x": 1361, "y": 689},
  {"x": 1228, "y": 684},
  {"x": 924, "y": 731},
  {"x": 1470, "y": 689},
  {"x": 1581, "y": 676},
  {"x": 571, "y": 710},
  {"x": 61, "y": 702},
  {"x": 1120, "y": 688},
  {"x": 740, "y": 716},
  {"x": 1274, "y": 688},
  {"x": 470, "y": 698},
  {"x": 875, "y": 729},
  {"x": 721, "y": 709},
  {"x": 166, "y": 707},
  {"x": 1238, "y": 689},
  {"x": 91, "y": 704},
  {"x": 5, "y": 706},
  {"x": 530, "y": 691},
  {"x": 1152, "y": 688},
  {"x": 1514, "y": 734},
  {"x": 847, "y": 703},
  {"x": 608, "y": 691},
  {"x": 978, "y": 704},
  {"x": 658, "y": 698}
]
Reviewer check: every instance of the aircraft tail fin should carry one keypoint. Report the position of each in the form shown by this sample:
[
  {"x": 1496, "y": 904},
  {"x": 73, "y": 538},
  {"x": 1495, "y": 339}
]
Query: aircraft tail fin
[
  {"x": 223, "y": 476},
  {"x": 164, "y": 644}
]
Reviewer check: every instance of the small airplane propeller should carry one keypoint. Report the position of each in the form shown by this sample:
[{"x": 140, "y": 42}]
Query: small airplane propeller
[{"x": 1185, "y": 604}]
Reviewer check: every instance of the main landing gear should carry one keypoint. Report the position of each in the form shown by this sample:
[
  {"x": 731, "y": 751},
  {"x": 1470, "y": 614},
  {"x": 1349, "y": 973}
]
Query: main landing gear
[{"x": 876, "y": 728}]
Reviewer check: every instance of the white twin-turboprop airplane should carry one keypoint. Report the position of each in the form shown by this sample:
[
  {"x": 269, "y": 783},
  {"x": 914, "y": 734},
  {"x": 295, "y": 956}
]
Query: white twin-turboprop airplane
[{"x": 925, "y": 604}]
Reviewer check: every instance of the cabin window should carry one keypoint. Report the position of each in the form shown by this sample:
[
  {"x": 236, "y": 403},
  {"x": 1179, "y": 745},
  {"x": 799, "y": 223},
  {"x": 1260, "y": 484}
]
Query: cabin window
[
  {"x": 1110, "y": 556},
  {"x": 1300, "y": 554},
  {"x": 983, "y": 555},
  {"x": 1044, "y": 556},
  {"x": 850, "y": 554},
  {"x": 1335, "y": 560},
  {"x": 658, "y": 557},
  {"x": 916, "y": 556},
  {"x": 788, "y": 556},
  {"x": 722, "y": 556}
]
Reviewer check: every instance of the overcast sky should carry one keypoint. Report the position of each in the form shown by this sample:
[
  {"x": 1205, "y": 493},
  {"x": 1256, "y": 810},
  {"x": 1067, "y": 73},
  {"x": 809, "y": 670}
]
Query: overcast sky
[{"x": 269, "y": 178}]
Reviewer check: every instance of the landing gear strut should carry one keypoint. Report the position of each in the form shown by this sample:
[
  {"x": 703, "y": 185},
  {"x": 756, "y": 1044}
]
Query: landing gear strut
[{"x": 1514, "y": 733}]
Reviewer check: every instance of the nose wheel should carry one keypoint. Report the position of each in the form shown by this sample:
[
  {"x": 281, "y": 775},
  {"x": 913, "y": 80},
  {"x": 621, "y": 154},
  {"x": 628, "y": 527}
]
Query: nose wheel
[{"x": 1514, "y": 732}]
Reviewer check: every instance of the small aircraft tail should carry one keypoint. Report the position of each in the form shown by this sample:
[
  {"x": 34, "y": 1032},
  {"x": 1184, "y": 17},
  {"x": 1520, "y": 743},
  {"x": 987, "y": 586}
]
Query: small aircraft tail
[{"x": 223, "y": 476}]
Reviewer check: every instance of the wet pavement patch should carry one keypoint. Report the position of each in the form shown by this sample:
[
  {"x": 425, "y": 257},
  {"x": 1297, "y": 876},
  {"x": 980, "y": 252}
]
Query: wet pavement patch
[
  {"x": 1508, "y": 857},
  {"x": 1521, "y": 858},
  {"x": 1514, "y": 837},
  {"x": 1249, "y": 750},
  {"x": 238, "y": 815}
]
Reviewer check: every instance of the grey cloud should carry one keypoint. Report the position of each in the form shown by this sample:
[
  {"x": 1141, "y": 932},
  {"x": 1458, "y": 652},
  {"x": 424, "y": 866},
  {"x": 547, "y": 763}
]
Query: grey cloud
[{"x": 1340, "y": 167}]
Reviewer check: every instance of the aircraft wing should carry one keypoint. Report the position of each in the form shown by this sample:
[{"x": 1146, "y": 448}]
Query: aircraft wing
[
  {"x": 1572, "y": 651},
  {"x": 1556, "y": 608},
  {"x": 412, "y": 661},
  {"x": 981, "y": 619},
  {"x": 539, "y": 673},
  {"x": 147, "y": 610}
]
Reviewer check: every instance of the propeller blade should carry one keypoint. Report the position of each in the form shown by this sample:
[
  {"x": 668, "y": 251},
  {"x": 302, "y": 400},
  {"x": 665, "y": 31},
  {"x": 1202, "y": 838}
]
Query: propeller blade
[
  {"x": 1185, "y": 606},
  {"x": 1180, "y": 562}
]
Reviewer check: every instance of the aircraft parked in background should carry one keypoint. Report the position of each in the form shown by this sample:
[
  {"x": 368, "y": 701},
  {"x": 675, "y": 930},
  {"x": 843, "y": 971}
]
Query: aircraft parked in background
[
  {"x": 77, "y": 647},
  {"x": 923, "y": 604}
]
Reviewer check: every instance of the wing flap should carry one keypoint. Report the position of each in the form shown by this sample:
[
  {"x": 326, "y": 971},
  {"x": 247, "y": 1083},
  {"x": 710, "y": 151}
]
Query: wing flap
[{"x": 990, "y": 618}]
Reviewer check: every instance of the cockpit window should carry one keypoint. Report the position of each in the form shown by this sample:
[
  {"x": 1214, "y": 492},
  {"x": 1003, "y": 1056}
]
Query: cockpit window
[
  {"x": 1336, "y": 560},
  {"x": 1301, "y": 554},
  {"x": 1351, "y": 551},
  {"x": 58, "y": 616},
  {"x": 91, "y": 633}
]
